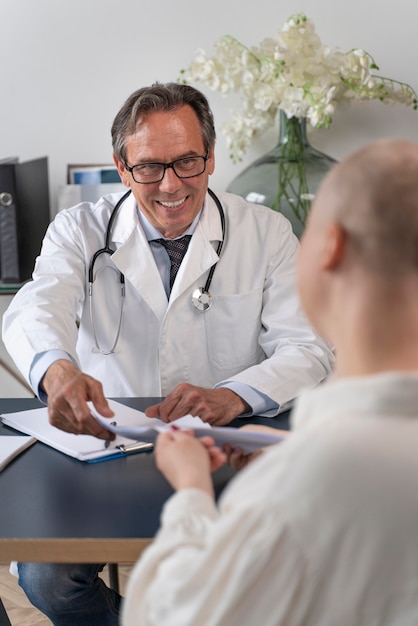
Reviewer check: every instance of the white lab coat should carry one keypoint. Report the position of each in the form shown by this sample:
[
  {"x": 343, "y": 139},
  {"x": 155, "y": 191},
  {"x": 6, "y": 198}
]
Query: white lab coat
[{"x": 254, "y": 333}]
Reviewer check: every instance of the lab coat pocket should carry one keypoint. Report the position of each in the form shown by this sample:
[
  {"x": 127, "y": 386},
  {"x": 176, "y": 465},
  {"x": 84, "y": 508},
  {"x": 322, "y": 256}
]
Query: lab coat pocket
[{"x": 233, "y": 326}]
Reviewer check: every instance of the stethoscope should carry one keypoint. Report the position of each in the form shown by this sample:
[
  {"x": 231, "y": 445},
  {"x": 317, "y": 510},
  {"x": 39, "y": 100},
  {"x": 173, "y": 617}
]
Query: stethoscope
[{"x": 201, "y": 297}]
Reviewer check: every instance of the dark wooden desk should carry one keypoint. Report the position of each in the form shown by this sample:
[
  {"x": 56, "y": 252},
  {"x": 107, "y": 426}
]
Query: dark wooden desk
[{"x": 58, "y": 509}]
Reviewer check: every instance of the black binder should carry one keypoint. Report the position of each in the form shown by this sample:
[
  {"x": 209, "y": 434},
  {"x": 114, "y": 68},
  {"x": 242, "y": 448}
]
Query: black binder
[
  {"x": 24, "y": 216},
  {"x": 9, "y": 260}
]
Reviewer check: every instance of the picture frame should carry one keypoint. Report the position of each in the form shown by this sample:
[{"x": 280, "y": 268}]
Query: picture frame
[{"x": 92, "y": 174}]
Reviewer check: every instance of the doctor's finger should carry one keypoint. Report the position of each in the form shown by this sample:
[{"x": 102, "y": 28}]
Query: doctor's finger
[
  {"x": 168, "y": 410},
  {"x": 185, "y": 399},
  {"x": 88, "y": 426},
  {"x": 153, "y": 410},
  {"x": 74, "y": 416},
  {"x": 162, "y": 408},
  {"x": 77, "y": 397}
]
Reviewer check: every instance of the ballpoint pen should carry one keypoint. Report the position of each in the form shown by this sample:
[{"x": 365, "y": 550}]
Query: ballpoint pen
[
  {"x": 107, "y": 443},
  {"x": 135, "y": 447}
]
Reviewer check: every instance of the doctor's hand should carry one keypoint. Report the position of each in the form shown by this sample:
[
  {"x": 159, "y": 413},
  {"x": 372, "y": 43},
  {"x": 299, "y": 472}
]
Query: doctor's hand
[
  {"x": 215, "y": 406},
  {"x": 68, "y": 392},
  {"x": 187, "y": 462}
]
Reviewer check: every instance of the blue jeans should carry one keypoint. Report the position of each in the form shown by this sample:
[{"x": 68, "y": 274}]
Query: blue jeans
[{"x": 70, "y": 594}]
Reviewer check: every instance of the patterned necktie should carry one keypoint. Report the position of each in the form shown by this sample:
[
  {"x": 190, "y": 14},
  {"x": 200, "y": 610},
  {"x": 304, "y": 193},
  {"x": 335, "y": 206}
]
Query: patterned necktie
[{"x": 176, "y": 249}]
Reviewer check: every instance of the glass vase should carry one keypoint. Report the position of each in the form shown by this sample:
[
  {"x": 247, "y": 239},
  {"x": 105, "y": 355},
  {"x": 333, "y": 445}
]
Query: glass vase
[{"x": 287, "y": 177}]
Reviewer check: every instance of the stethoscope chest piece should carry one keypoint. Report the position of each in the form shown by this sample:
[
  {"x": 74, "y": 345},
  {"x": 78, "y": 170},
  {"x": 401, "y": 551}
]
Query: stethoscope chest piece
[{"x": 202, "y": 300}]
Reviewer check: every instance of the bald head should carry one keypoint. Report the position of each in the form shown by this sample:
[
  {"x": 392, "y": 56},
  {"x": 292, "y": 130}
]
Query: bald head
[
  {"x": 373, "y": 196},
  {"x": 358, "y": 260}
]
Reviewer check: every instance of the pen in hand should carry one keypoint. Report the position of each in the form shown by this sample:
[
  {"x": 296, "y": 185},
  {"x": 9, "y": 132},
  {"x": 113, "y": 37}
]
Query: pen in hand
[{"x": 107, "y": 443}]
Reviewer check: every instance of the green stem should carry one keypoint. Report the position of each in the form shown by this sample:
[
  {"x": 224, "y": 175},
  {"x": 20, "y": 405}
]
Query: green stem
[{"x": 292, "y": 183}]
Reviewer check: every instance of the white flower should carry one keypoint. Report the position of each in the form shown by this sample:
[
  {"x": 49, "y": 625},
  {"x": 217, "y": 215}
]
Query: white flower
[{"x": 295, "y": 73}]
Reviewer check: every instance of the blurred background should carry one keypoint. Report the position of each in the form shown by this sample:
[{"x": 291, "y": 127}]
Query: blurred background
[{"x": 67, "y": 67}]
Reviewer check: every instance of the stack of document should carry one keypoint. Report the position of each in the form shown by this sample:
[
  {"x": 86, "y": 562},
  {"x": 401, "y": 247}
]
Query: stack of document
[
  {"x": 135, "y": 432},
  {"x": 12, "y": 446}
]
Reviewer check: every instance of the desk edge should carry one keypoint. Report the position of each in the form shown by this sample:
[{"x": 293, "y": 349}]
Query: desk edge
[{"x": 72, "y": 550}]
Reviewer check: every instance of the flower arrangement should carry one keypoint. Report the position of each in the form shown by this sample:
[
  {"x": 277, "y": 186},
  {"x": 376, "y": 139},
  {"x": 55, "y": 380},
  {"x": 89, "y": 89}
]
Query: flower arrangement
[{"x": 295, "y": 73}]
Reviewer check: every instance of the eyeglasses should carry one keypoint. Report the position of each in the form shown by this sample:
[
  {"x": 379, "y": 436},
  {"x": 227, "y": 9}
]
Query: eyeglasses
[{"x": 187, "y": 167}]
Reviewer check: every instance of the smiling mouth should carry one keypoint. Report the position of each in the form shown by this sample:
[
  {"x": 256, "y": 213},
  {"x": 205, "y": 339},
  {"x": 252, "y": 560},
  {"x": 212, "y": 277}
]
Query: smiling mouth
[{"x": 172, "y": 205}]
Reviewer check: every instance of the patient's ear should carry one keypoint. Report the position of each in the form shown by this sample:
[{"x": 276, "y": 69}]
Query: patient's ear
[{"x": 334, "y": 246}]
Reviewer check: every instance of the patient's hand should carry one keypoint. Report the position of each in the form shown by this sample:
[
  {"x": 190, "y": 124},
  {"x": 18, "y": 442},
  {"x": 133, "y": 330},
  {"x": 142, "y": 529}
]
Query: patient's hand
[
  {"x": 237, "y": 459},
  {"x": 188, "y": 462}
]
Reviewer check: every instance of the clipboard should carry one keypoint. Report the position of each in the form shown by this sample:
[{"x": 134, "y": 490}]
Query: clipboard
[{"x": 34, "y": 422}]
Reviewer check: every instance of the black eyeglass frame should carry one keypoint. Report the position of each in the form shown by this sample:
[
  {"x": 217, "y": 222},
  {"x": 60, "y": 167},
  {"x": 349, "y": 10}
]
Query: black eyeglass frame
[{"x": 166, "y": 166}]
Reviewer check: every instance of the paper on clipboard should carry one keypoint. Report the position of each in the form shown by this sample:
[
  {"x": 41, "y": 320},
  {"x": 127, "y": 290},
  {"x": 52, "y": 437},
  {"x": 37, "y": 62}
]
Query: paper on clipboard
[
  {"x": 12, "y": 446},
  {"x": 34, "y": 422}
]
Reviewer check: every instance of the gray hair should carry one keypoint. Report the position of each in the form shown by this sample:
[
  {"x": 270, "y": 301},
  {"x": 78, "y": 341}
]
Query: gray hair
[{"x": 161, "y": 97}]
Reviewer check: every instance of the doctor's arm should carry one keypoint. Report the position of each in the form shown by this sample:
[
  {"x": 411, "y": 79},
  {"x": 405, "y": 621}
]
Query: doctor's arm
[
  {"x": 40, "y": 330},
  {"x": 68, "y": 390}
]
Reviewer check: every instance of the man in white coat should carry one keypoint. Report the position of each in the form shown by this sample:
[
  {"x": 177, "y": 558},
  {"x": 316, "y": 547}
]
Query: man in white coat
[{"x": 239, "y": 346}]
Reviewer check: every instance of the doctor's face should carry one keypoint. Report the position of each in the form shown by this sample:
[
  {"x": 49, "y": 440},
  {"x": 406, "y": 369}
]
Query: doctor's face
[{"x": 163, "y": 137}]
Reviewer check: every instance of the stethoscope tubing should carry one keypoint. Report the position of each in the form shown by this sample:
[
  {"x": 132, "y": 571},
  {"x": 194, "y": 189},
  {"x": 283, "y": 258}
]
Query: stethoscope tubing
[
  {"x": 108, "y": 250},
  {"x": 220, "y": 244}
]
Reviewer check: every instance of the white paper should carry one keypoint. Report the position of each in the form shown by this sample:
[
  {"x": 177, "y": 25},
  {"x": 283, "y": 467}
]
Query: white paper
[
  {"x": 131, "y": 425},
  {"x": 11, "y": 446},
  {"x": 35, "y": 422},
  {"x": 247, "y": 440}
]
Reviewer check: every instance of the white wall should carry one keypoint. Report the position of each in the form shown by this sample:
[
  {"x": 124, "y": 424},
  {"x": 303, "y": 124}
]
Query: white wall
[{"x": 67, "y": 67}]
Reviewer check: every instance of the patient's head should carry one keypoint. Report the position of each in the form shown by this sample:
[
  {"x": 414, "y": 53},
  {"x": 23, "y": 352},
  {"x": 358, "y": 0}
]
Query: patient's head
[{"x": 363, "y": 224}]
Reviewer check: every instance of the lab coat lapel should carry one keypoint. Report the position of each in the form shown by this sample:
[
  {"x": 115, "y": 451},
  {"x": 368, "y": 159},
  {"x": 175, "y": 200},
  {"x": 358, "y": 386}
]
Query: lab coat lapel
[
  {"x": 201, "y": 254},
  {"x": 133, "y": 257}
]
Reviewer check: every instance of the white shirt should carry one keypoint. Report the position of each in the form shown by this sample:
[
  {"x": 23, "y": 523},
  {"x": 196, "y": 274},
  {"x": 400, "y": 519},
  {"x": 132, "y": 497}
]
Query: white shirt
[
  {"x": 254, "y": 334},
  {"x": 321, "y": 530}
]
